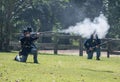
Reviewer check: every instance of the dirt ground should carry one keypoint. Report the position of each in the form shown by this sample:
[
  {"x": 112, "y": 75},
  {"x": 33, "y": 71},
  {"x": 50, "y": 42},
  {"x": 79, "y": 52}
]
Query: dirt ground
[{"x": 73, "y": 52}]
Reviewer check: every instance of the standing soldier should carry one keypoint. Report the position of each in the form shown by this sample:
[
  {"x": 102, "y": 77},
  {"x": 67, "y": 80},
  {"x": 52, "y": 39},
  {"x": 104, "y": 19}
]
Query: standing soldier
[
  {"x": 93, "y": 45},
  {"x": 28, "y": 47}
]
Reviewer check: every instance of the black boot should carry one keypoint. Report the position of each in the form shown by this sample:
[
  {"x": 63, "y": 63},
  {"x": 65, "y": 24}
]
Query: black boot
[{"x": 98, "y": 59}]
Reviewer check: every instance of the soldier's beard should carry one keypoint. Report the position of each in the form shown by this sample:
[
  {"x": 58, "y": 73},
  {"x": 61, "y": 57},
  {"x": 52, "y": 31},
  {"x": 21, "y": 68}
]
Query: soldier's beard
[{"x": 27, "y": 35}]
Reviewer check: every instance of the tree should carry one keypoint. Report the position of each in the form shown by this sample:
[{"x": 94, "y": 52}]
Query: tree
[
  {"x": 5, "y": 23},
  {"x": 9, "y": 12},
  {"x": 114, "y": 18},
  {"x": 48, "y": 15}
]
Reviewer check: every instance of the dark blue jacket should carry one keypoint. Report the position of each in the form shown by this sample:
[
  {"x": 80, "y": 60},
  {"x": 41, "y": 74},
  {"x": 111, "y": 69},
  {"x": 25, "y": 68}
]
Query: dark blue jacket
[
  {"x": 27, "y": 42},
  {"x": 91, "y": 43}
]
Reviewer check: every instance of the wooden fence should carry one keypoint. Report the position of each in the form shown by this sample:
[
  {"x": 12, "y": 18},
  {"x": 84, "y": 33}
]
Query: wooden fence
[{"x": 107, "y": 47}]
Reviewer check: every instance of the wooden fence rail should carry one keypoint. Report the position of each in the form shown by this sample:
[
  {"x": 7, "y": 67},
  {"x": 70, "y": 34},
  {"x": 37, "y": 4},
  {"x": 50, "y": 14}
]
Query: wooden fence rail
[{"x": 55, "y": 46}]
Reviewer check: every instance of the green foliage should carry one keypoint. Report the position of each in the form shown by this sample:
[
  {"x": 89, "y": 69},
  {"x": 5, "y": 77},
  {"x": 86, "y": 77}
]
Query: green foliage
[
  {"x": 48, "y": 15},
  {"x": 114, "y": 17},
  {"x": 53, "y": 68}
]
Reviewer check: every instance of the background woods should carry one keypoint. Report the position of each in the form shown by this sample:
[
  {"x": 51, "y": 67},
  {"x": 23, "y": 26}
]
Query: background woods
[{"x": 51, "y": 15}]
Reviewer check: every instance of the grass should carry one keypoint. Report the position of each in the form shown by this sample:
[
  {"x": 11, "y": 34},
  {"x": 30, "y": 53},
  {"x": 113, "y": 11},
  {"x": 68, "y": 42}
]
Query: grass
[{"x": 59, "y": 68}]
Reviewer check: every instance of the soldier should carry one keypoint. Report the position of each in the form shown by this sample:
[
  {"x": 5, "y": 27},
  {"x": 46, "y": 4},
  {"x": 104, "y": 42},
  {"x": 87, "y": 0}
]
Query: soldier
[
  {"x": 93, "y": 45},
  {"x": 28, "y": 47}
]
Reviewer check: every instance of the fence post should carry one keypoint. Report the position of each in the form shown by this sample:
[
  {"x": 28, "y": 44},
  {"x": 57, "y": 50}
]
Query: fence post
[
  {"x": 80, "y": 46},
  {"x": 108, "y": 49},
  {"x": 56, "y": 44}
]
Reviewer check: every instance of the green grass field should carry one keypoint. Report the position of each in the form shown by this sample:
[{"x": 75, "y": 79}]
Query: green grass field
[{"x": 59, "y": 68}]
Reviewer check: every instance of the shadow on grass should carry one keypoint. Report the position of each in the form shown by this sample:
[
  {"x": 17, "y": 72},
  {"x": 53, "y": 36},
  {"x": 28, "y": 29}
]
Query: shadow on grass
[
  {"x": 26, "y": 62},
  {"x": 56, "y": 54},
  {"x": 49, "y": 54},
  {"x": 107, "y": 71},
  {"x": 31, "y": 63}
]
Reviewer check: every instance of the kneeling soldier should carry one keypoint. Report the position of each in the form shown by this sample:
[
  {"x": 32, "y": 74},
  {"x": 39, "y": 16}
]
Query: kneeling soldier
[
  {"x": 93, "y": 45},
  {"x": 28, "y": 47}
]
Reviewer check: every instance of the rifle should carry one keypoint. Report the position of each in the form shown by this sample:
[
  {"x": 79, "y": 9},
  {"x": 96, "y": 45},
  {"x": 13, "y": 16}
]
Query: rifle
[
  {"x": 45, "y": 32},
  {"x": 88, "y": 50}
]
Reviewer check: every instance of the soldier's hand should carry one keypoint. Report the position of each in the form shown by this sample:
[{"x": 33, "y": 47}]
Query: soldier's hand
[
  {"x": 90, "y": 49},
  {"x": 97, "y": 46},
  {"x": 38, "y": 33}
]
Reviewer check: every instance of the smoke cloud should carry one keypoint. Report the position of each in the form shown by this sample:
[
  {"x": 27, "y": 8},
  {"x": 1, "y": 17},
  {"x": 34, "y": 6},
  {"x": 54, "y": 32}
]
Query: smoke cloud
[{"x": 87, "y": 27}]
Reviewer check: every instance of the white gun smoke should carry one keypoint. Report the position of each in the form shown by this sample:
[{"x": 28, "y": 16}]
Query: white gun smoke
[{"x": 99, "y": 25}]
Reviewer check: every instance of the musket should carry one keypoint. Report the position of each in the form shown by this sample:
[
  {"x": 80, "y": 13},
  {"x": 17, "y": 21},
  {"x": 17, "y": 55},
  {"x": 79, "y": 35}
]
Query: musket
[
  {"x": 100, "y": 44},
  {"x": 44, "y": 32},
  {"x": 47, "y": 32}
]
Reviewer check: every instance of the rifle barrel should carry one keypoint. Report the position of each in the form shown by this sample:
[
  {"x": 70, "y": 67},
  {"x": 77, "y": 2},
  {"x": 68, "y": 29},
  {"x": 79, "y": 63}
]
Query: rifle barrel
[{"x": 103, "y": 43}]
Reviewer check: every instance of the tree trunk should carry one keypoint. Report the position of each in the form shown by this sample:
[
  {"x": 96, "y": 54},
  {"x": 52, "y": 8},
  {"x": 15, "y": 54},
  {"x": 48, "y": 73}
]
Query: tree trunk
[
  {"x": 1, "y": 37},
  {"x": 5, "y": 28},
  {"x": 7, "y": 38}
]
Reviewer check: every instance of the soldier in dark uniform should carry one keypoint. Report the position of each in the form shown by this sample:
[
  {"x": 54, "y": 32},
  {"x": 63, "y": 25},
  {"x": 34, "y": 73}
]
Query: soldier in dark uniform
[
  {"x": 28, "y": 47},
  {"x": 93, "y": 45}
]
